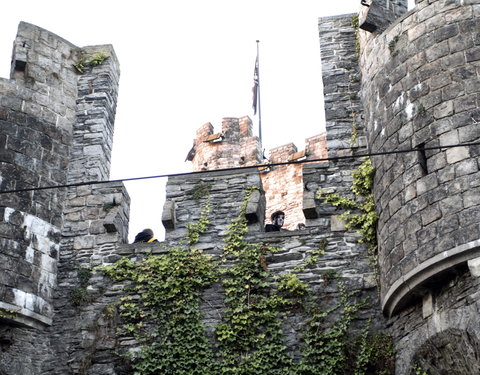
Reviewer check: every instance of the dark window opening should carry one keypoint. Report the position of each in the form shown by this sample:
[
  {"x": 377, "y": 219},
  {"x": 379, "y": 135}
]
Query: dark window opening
[
  {"x": 422, "y": 158},
  {"x": 20, "y": 65}
]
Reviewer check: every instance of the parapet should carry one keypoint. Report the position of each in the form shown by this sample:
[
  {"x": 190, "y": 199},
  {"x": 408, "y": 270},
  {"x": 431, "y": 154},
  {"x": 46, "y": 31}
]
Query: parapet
[{"x": 234, "y": 146}]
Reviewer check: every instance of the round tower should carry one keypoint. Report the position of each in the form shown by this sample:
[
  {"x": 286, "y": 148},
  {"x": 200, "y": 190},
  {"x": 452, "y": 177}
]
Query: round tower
[
  {"x": 420, "y": 82},
  {"x": 420, "y": 90},
  {"x": 44, "y": 141}
]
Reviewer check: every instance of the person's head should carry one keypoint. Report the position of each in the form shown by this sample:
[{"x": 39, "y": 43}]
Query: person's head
[
  {"x": 148, "y": 231},
  {"x": 278, "y": 218}
]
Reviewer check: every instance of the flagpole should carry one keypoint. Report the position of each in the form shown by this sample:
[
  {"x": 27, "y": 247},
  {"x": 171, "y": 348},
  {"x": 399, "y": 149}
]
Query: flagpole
[{"x": 258, "y": 96}]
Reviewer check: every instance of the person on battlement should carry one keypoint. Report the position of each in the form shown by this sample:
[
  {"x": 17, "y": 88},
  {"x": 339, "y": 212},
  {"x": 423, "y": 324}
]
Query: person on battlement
[
  {"x": 145, "y": 235},
  {"x": 278, "y": 218}
]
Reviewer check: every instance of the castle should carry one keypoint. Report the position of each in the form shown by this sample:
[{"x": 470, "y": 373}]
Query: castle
[{"x": 399, "y": 85}]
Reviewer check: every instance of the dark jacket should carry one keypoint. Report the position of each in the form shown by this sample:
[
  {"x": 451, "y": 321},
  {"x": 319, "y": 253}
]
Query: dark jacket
[
  {"x": 272, "y": 228},
  {"x": 144, "y": 237}
]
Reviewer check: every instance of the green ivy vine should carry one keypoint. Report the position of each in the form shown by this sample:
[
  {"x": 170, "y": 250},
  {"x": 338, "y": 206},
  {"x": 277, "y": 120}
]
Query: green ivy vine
[
  {"x": 7, "y": 314},
  {"x": 418, "y": 370},
  {"x": 250, "y": 336},
  {"x": 162, "y": 313},
  {"x": 355, "y": 25},
  {"x": 80, "y": 296},
  {"x": 360, "y": 212},
  {"x": 201, "y": 190},
  {"x": 195, "y": 229},
  {"x": 88, "y": 62}
]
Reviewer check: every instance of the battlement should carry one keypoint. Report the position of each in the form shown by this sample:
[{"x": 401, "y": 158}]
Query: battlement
[{"x": 235, "y": 146}]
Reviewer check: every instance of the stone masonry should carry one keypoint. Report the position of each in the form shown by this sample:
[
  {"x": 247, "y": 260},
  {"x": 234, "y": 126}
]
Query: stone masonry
[
  {"x": 56, "y": 128},
  {"x": 420, "y": 91},
  {"x": 404, "y": 84}
]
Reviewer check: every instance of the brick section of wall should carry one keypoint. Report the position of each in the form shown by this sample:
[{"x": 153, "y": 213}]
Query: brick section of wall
[
  {"x": 284, "y": 188},
  {"x": 234, "y": 146},
  {"x": 283, "y": 185}
]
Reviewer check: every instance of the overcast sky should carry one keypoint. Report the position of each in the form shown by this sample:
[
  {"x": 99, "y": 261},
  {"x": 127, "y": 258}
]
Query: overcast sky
[{"x": 187, "y": 62}]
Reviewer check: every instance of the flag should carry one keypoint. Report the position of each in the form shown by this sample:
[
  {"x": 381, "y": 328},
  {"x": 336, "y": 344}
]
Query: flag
[{"x": 255, "y": 87}]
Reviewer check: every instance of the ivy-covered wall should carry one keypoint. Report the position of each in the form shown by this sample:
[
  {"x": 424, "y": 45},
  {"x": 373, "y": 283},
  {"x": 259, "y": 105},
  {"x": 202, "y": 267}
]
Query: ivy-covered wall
[{"x": 220, "y": 296}]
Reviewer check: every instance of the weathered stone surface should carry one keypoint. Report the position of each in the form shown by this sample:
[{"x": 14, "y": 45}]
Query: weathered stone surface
[{"x": 413, "y": 84}]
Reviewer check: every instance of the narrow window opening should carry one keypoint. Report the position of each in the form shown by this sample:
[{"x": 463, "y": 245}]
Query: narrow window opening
[
  {"x": 20, "y": 65},
  {"x": 422, "y": 158}
]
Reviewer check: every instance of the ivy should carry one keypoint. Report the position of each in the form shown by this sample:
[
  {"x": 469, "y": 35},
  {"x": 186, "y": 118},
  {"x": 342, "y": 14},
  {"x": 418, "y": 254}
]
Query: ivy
[
  {"x": 7, "y": 314},
  {"x": 325, "y": 349},
  {"x": 366, "y": 220},
  {"x": 162, "y": 313},
  {"x": 418, "y": 370},
  {"x": 250, "y": 336},
  {"x": 355, "y": 25},
  {"x": 80, "y": 296},
  {"x": 200, "y": 226},
  {"x": 201, "y": 190},
  {"x": 88, "y": 62},
  {"x": 165, "y": 316}
]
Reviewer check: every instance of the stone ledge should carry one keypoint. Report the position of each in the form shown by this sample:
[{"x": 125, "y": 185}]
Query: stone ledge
[
  {"x": 405, "y": 287},
  {"x": 26, "y": 317}
]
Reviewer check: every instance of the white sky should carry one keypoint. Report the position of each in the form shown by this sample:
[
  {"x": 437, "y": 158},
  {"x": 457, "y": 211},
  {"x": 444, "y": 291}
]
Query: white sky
[{"x": 187, "y": 62}]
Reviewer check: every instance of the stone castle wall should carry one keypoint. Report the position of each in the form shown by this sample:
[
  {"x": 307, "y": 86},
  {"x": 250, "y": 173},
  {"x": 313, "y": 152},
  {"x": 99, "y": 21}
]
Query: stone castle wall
[
  {"x": 427, "y": 83},
  {"x": 37, "y": 109},
  {"x": 411, "y": 83},
  {"x": 420, "y": 90}
]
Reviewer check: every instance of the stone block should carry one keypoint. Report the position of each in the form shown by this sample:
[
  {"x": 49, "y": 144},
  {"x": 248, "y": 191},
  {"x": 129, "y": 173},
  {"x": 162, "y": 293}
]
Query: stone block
[
  {"x": 431, "y": 214},
  {"x": 474, "y": 267},
  {"x": 451, "y": 205},
  {"x": 466, "y": 167},
  {"x": 427, "y": 305},
  {"x": 457, "y": 154},
  {"x": 472, "y": 54},
  {"x": 469, "y": 133},
  {"x": 112, "y": 222},
  {"x": 337, "y": 224},
  {"x": 443, "y": 110},
  {"x": 471, "y": 198},
  {"x": 426, "y": 183},
  {"x": 309, "y": 205},
  {"x": 169, "y": 215}
]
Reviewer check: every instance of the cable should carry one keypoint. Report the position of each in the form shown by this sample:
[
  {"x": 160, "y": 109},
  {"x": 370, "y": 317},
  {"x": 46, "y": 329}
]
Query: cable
[{"x": 266, "y": 165}]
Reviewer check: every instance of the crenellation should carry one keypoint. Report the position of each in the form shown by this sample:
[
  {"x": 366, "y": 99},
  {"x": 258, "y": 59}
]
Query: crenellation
[{"x": 401, "y": 80}]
